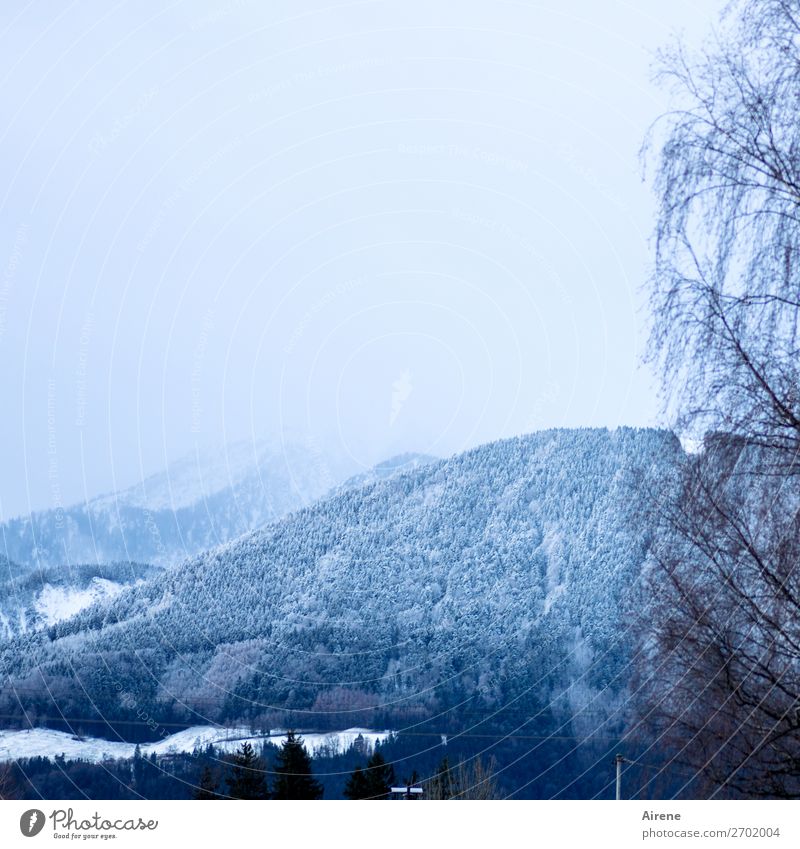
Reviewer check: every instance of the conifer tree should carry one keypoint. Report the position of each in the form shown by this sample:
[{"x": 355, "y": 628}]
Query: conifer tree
[
  {"x": 208, "y": 786},
  {"x": 356, "y": 787},
  {"x": 247, "y": 779},
  {"x": 294, "y": 778},
  {"x": 379, "y": 777},
  {"x": 137, "y": 769}
]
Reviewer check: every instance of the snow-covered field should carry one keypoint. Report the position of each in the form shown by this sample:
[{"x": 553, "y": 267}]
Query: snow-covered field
[{"x": 48, "y": 743}]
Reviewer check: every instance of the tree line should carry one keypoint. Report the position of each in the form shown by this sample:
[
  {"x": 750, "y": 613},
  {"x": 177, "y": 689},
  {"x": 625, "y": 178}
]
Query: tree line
[{"x": 246, "y": 777}]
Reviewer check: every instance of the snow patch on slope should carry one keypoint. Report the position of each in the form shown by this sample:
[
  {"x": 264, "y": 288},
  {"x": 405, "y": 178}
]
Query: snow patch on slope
[{"x": 55, "y": 604}]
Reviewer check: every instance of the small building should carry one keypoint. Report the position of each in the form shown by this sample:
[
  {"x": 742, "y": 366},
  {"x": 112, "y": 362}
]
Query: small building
[{"x": 408, "y": 791}]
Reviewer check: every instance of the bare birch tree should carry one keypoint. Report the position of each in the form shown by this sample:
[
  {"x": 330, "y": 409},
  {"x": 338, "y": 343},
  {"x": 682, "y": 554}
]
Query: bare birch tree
[{"x": 722, "y": 634}]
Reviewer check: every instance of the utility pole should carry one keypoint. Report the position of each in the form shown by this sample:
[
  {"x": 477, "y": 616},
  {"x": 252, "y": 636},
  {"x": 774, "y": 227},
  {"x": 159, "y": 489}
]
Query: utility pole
[{"x": 619, "y": 760}]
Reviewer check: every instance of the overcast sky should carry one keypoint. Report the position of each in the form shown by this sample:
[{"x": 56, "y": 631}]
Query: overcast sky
[{"x": 403, "y": 225}]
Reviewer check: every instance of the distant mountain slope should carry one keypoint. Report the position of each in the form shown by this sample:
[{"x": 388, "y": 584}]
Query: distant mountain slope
[
  {"x": 497, "y": 575},
  {"x": 198, "y": 502}
]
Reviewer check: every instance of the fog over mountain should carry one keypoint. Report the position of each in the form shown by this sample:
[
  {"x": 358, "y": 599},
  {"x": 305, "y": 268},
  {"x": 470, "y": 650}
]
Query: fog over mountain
[{"x": 399, "y": 228}]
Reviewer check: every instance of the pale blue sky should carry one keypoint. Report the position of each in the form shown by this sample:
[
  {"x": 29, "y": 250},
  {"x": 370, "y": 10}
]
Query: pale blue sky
[{"x": 403, "y": 225}]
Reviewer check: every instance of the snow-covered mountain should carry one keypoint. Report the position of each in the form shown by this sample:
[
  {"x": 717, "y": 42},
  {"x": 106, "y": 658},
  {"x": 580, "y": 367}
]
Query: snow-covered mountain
[
  {"x": 497, "y": 577},
  {"x": 202, "y": 500}
]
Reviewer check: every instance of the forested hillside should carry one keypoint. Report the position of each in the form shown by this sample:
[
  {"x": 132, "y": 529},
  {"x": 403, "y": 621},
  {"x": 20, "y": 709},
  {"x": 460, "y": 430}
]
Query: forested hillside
[{"x": 488, "y": 582}]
